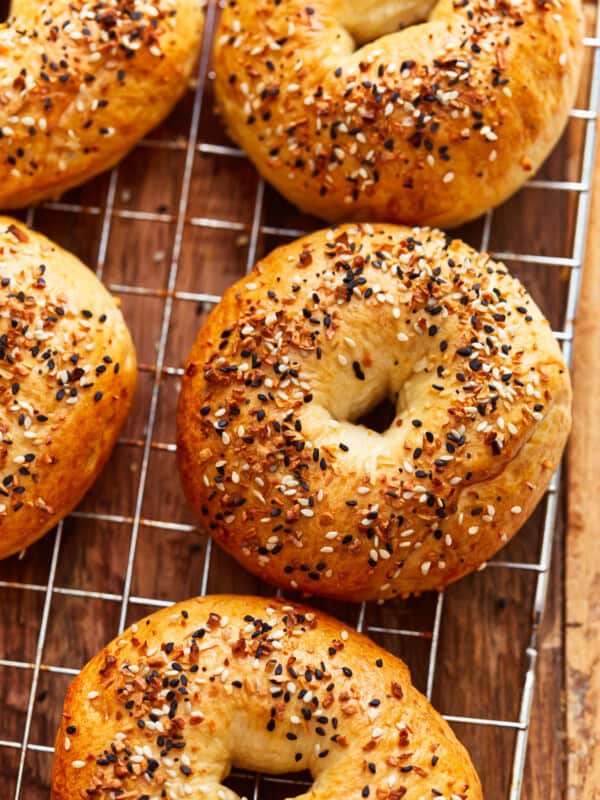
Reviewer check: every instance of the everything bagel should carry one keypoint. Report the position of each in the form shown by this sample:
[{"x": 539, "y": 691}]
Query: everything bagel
[
  {"x": 429, "y": 125},
  {"x": 68, "y": 373},
  {"x": 82, "y": 82},
  {"x": 271, "y": 451},
  {"x": 167, "y": 708}
]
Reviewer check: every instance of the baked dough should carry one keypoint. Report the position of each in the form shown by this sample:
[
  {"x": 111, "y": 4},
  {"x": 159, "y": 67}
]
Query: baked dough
[
  {"x": 271, "y": 451},
  {"x": 81, "y": 83},
  {"x": 67, "y": 379},
  {"x": 267, "y": 685},
  {"x": 432, "y": 125}
]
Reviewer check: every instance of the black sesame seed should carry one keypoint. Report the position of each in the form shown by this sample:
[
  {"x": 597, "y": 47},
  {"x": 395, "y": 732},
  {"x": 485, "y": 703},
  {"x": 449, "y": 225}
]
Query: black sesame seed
[{"x": 358, "y": 371}]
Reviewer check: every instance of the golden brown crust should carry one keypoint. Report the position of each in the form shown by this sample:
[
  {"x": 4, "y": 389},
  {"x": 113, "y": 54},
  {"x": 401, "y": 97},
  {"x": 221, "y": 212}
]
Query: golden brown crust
[
  {"x": 81, "y": 83},
  {"x": 317, "y": 335},
  {"x": 263, "y": 684},
  {"x": 67, "y": 379},
  {"x": 430, "y": 125}
]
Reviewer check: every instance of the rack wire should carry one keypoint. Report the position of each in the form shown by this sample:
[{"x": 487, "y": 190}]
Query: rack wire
[{"x": 159, "y": 371}]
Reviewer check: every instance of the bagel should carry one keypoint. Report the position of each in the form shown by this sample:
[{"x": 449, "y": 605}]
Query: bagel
[
  {"x": 67, "y": 379},
  {"x": 81, "y": 83},
  {"x": 267, "y": 685},
  {"x": 271, "y": 451},
  {"x": 430, "y": 125}
]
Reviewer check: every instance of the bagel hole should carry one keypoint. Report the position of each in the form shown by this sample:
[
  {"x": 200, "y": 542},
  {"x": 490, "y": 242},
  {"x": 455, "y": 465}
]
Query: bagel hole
[
  {"x": 368, "y": 22},
  {"x": 380, "y": 417},
  {"x": 285, "y": 786}
]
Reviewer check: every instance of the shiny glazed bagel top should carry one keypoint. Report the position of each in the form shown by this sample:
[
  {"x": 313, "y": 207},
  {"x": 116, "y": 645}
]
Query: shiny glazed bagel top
[
  {"x": 82, "y": 82},
  {"x": 433, "y": 124}
]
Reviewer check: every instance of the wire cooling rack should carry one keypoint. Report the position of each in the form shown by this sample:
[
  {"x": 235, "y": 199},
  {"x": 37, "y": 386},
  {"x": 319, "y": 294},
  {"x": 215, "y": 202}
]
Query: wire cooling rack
[{"x": 61, "y": 581}]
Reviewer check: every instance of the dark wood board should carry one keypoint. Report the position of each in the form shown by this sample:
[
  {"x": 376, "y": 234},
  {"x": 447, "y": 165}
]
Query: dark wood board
[{"x": 486, "y": 621}]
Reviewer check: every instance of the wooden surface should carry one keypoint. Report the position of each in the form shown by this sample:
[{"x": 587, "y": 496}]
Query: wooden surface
[
  {"x": 487, "y": 617},
  {"x": 583, "y": 550}
]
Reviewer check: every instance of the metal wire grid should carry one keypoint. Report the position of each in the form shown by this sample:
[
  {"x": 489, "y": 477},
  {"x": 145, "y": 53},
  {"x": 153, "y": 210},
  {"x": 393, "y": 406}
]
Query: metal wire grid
[{"x": 160, "y": 369}]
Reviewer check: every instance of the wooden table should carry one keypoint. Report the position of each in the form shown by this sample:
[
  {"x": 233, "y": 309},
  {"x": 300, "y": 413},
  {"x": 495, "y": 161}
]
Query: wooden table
[{"x": 582, "y": 588}]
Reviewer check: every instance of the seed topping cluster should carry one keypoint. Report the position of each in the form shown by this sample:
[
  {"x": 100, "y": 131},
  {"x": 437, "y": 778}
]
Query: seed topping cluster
[
  {"x": 50, "y": 362},
  {"x": 279, "y": 673},
  {"x": 268, "y": 421},
  {"x": 68, "y": 55},
  {"x": 391, "y": 130}
]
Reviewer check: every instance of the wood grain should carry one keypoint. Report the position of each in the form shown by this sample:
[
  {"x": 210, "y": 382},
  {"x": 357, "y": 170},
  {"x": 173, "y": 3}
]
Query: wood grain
[{"x": 583, "y": 561}]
